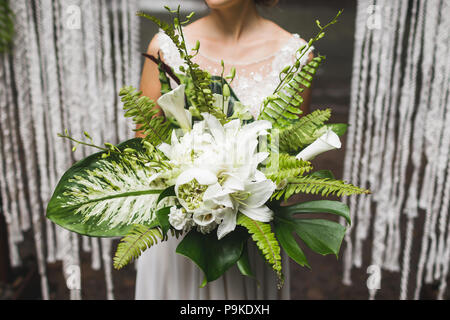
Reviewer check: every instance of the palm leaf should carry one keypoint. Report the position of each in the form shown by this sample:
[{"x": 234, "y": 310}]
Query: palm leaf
[{"x": 101, "y": 196}]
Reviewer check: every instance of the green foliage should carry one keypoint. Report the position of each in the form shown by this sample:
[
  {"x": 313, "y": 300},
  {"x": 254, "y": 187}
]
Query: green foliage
[
  {"x": 321, "y": 236},
  {"x": 303, "y": 132},
  {"x": 6, "y": 26},
  {"x": 105, "y": 196},
  {"x": 283, "y": 107},
  {"x": 201, "y": 96},
  {"x": 139, "y": 239},
  {"x": 143, "y": 111},
  {"x": 315, "y": 185},
  {"x": 243, "y": 263},
  {"x": 262, "y": 234},
  {"x": 283, "y": 166},
  {"x": 214, "y": 257}
]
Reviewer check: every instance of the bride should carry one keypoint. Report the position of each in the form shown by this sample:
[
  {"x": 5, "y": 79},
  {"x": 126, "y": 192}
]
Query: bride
[{"x": 234, "y": 32}]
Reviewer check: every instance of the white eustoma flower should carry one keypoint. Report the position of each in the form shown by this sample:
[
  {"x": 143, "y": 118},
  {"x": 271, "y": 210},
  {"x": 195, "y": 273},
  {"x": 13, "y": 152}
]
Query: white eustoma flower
[
  {"x": 328, "y": 141},
  {"x": 172, "y": 103}
]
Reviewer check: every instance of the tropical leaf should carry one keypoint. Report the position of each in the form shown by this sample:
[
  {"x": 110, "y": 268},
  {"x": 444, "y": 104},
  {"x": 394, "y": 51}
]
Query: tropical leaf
[
  {"x": 243, "y": 264},
  {"x": 316, "y": 185},
  {"x": 139, "y": 239},
  {"x": 106, "y": 196},
  {"x": 265, "y": 240},
  {"x": 214, "y": 257},
  {"x": 321, "y": 236}
]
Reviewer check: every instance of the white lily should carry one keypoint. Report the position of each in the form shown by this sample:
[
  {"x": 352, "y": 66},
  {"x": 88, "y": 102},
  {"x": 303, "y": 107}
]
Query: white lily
[
  {"x": 194, "y": 180},
  {"x": 172, "y": 103},
  {"x": 328, "y": 141},
  {"x": 220, "y": 176}
]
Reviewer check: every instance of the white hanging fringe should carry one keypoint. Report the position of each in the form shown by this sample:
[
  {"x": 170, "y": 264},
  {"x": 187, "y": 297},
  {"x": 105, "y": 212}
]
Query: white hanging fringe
[
  {"x": 399, "y": 140},
  {"x": 68, "y": 61}
]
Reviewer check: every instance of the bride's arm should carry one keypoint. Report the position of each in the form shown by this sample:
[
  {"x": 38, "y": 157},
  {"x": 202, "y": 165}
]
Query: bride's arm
[{"x": 150, "y": 85}]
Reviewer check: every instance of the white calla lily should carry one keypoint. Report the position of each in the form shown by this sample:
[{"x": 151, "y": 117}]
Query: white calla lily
[
  {"x": 172, "y": 103},
  {"x": 329, "y": 141}
]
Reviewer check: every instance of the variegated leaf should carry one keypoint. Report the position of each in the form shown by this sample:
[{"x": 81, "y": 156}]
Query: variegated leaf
[{"x": 105, "y": 197}]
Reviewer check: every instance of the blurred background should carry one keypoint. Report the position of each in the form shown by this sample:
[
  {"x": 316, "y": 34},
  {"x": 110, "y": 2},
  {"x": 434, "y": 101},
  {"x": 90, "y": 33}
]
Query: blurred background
[{"x": 331, "y": 89}]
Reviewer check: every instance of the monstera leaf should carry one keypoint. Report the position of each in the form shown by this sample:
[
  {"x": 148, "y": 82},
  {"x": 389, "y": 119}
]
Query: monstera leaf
[
  {"x": 105, "y": 197},
  {"x": 320, "y": 235}
]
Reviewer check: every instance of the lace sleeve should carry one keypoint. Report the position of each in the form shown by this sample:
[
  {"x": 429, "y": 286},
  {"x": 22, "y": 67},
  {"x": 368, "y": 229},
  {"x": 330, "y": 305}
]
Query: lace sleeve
[
  {"x": 169, "y": 51},
  {"x": 288, "y": 54}
]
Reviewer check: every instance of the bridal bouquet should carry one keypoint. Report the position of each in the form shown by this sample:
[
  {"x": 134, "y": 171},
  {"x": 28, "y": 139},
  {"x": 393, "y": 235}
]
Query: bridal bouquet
[{"x": 208, "y": 172}]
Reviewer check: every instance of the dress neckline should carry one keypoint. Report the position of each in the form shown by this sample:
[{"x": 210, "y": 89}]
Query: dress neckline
[{"x": 287, "y": 44}]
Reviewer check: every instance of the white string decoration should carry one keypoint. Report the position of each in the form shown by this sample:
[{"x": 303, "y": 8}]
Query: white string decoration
[
  {"x": 68, "y": 61},
  {"x": 399, "y": 141}
]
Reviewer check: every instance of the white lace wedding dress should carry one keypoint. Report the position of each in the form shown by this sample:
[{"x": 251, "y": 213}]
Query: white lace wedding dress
[{"x": 163, "y": 274}]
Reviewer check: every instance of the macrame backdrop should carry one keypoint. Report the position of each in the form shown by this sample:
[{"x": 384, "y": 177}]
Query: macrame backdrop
[
  {"x": 69, "y": 59},
  {"x": 399, "y": 141}
]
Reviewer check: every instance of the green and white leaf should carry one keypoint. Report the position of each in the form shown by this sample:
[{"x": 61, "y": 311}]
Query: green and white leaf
[{"x": 106, "y": 196}]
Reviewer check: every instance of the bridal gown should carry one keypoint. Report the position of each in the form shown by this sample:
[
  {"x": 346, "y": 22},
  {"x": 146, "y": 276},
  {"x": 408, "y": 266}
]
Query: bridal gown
[{"x": 164, "y": 274}]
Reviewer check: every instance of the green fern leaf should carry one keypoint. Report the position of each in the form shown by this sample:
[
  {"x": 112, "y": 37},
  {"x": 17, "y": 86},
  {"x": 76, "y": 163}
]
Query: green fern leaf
[
  {"x": 143, "y": 111},
  {"x": 283, "y": 166},
  {"x": 304, "y": 132},
  {"x": 134, "y": 243},
  {"x": 283, "y": 107},
  {"x": 265, "y": 240},
  {"x": 313, "y": 185}
]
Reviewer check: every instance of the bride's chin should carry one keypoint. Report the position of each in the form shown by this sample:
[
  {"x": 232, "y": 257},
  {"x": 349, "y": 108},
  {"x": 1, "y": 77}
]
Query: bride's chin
[{"x": 222, "y": 4}]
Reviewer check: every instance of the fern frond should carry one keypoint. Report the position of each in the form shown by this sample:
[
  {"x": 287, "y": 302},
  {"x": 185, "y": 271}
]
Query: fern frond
[
  {"x": 283, "y": 107},
  {"x": 133, "y": 244},
  {"x": 283, "y": 166},
  {"x": 303, "y": 132},
  {"x": 322, "y": 186},
  {"x": 143, "y": 111},
  {"x": 265, "y": 240}
]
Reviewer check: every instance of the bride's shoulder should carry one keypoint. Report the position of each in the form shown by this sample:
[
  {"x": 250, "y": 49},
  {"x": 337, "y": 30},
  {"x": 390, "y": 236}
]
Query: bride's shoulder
[{"x": 275, "y": 31}]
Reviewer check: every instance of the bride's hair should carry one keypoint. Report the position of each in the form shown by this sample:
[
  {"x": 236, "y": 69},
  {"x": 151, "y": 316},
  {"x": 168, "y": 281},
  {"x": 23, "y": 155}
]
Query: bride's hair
[{"x": 267, "y": 3}]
